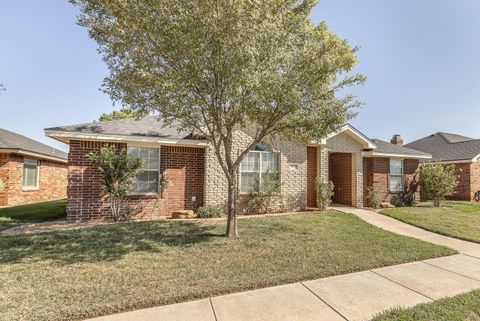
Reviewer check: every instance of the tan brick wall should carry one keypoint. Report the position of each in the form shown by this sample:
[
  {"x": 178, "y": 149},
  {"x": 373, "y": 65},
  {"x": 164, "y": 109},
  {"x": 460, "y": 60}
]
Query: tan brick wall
[
  {"x": 184, "y": 166},
  {"x": 292, "y": 164},
  {"x": 52, "y": 181},
  {"x": 343, "y": 143}
]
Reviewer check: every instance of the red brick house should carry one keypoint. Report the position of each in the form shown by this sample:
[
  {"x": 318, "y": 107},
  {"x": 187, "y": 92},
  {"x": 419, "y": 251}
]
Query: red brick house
[
  {"x": 31, "y": 172},
  {"x": 461, "y": 151},
  {"x": 347, "y": 157}
]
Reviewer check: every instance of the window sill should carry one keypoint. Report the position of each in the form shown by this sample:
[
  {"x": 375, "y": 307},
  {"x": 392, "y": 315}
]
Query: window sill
[
  {"x": 142, "y": 194},
  {"x": 33, "y": 189},
  {"x": 396, "y": 192}
]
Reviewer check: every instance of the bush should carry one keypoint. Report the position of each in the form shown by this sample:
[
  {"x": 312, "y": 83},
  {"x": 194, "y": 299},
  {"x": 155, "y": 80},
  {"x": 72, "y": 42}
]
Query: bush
[
  {"x": 260, "y": 197},
  {"x": 324, "y": 193},
  {"x": 409, "y": 199},
  {"x": 477, "y": 196},
  {"x": 397, "y": 201},
  {"x": 208, "y": 211},
  {"x": 438, "y": 180},
  {"x": 373, "y": 195},
  {"x": 118, "y": 171}
]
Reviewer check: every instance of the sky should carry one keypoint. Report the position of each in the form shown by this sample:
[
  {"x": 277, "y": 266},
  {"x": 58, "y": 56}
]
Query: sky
[{"x": 421, "y": 58}]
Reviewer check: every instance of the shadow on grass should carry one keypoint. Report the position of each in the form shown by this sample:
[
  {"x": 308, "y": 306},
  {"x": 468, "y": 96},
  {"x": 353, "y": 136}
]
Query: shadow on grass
[{"x": 104, "y": 243}]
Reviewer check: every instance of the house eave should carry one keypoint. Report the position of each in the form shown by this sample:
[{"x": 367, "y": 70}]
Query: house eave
[
  {"x": 394, "y": 155},
  {"x": 66, "y": 137},
  {"x": 457, "y": 161},
  {"x": 27, "y": 153}
]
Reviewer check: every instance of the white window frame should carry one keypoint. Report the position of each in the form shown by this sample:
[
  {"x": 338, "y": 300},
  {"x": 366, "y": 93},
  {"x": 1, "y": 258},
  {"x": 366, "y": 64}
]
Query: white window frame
[
  {"x": 37, "y": 182},
  {"x": 402, "y": 175},
  {"x": 133, "y": 193},
  {"x": 260, "y": 168}
]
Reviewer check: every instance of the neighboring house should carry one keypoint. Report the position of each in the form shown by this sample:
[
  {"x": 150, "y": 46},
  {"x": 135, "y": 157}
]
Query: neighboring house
[
  {"x": 463, "y": 152},
  {"x": 31, "y": 171},
  {"x": 348, "y": 158}
]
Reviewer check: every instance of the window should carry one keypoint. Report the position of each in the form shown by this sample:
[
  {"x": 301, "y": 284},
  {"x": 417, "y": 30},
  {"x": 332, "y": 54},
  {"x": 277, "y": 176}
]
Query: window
[
  {"x": 258, "y": 163},
  {"x": 147, "y": 181},
  {"x": 396, "y": 175},
  {"x": 30, "y": 173}
]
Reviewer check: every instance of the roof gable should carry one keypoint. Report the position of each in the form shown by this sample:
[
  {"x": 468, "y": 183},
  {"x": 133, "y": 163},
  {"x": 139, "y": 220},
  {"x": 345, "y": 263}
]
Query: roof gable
[
  {"x": 16, "y": 142},
  {"x": 448, "y": 147},
  {"x": 353, "y": 133}
]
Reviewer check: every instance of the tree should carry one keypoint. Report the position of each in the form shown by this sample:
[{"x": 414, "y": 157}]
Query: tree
[
  {"x": 437, "y": 181},
  {"x": 2, "y": 185},
  {"x": 123, "y": 113},
  {"x": 118, "y": 170},
  {"x": 2, "y": 88},
  {"x": 216, "y": 66}
]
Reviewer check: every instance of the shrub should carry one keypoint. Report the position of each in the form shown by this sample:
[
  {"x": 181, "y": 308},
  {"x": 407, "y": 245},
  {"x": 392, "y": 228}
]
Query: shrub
[
  {"x": 409, "y": 199},
  {"x": 208, "y": 211},
  {"x": 477, "y": 196},
  {"x": 261, "y": 195},
  {"x": 397, "y": 201},
  {"x": 373, "y": 195},
  {"x": 118, "y": 171},
  {"x": 324, "y": 193},
  {"x": 438, "y": 180}
]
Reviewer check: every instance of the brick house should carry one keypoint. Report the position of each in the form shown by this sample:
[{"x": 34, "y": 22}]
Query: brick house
[
  {"x": 461, "y": 151},
  {"x": 30, "y": 171},
  {"x": 348, "y": 158}
]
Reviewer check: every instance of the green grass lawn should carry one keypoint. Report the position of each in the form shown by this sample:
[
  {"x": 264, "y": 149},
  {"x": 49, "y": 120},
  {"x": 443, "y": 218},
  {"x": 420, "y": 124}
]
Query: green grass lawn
[
  {"x": 76, "y": 274},
  {"x": 464, "y": 307},
  {"x": 33, "y": 213},
  {"x": 455, "y": 219}
]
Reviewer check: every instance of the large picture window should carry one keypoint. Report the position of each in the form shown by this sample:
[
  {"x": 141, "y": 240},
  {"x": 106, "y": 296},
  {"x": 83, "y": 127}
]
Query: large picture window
[
  {"x": 147, "y": 181},
  {"x": 396, "y": 175},
  {"x": 31, "y": 173},
  {"x": 258, "y": 163}
]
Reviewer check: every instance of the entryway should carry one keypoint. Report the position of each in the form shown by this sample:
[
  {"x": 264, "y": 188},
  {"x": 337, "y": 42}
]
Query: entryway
[{"x": 340, "y": 173}]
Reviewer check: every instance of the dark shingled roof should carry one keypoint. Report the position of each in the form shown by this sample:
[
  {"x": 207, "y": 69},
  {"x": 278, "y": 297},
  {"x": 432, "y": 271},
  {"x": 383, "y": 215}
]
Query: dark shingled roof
[
  {"x": 389, "y": 148},
  {"x": 10, "y": 140},
  {"x": 448, "y": 147},
  {"x": 149, "y": 126}
]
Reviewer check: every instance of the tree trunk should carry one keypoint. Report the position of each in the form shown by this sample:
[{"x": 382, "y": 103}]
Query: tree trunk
[
  {"x": 436, "y": 202},
  {"x": 231, "y": 206}
]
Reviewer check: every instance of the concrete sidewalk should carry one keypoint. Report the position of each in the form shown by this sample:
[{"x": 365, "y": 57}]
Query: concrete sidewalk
[{"x": 355, "y": 296}]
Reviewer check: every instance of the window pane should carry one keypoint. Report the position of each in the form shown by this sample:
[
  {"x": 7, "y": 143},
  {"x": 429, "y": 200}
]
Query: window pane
[
  {"x": 30, "y": 173},
  {"x": 250, "y": 162},
  {"x": 269, "y": 162},
  {"x": 262, "y": 147},
  {"x": 153, "y": 159},
  {"x": 133, "y": 150},
  {"x": 247, "y": 181},
  {"x": 396, "y": 183},
  {"x": 396, "y": 167},
  {"x": 147, "y": 181}
]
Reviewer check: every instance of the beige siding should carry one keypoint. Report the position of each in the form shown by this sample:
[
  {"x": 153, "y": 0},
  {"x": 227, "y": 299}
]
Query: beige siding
[{"x": 293, "y": 167}]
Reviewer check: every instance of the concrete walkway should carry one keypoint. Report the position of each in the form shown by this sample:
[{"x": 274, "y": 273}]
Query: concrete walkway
[
  {"x": 355, "y": 296},
  {"x": 395, "y": 226}
]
